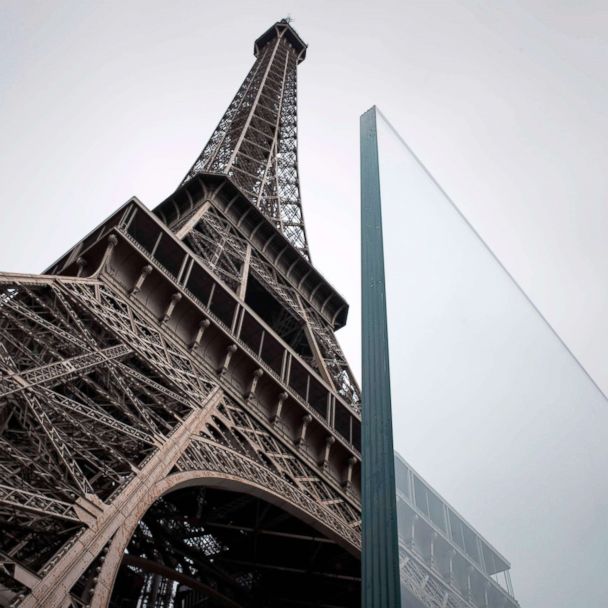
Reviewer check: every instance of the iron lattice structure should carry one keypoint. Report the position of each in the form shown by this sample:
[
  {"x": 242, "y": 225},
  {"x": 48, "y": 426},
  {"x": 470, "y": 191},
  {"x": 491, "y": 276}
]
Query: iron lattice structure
[
  {"x": 255, "y": 142},
  {"x": 179, "y": 426}
]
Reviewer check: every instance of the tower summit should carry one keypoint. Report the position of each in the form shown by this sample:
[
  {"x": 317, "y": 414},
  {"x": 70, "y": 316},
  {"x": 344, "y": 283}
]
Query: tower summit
[{"x": 255, "y": 142}]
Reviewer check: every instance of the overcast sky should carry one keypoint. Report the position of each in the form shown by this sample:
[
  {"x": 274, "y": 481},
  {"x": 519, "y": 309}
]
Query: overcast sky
[{"x": 505, "y": 103}]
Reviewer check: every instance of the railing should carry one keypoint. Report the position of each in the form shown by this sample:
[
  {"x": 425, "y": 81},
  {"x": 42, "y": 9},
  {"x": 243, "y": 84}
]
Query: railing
[{"x": 351, "y": 439}]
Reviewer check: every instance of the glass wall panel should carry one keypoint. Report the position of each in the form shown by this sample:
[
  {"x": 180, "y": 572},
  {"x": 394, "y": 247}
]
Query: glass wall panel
[{"x": 502, "y": 437}]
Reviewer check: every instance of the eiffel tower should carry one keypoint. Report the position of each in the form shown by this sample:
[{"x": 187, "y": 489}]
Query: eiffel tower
[{"x": 178, "y": 424}]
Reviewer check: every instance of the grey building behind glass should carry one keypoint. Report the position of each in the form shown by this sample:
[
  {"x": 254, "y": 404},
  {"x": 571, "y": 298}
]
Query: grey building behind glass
[{"x": 444, "y": 561}]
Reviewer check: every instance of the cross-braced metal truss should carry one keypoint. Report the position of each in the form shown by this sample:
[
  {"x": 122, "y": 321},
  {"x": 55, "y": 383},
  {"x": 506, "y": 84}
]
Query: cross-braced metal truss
[
  {"x": 79, "y": 409},
  {"x": 99, "y": 403},
  {"x": 255, "y": 142},
  {"x": 225, "y": 251}
]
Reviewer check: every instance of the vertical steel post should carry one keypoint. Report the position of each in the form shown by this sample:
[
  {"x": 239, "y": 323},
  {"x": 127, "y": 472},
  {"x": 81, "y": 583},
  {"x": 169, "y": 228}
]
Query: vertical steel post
[{"x": 380, "y": 549}]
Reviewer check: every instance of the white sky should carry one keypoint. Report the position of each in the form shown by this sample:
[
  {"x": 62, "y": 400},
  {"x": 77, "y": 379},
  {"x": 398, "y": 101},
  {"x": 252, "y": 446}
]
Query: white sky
[{"x": 505, "y": 103}]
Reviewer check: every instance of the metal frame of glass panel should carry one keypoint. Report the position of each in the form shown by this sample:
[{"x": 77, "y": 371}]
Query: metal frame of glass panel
[{"x": 380, "y": 550}]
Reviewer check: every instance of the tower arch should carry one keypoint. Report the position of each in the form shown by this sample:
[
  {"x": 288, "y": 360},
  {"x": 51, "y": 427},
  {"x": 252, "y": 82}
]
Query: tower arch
[{"x": 219, "y": 508}]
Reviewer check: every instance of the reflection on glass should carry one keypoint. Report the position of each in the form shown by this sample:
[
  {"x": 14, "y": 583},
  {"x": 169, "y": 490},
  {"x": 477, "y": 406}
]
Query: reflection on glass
[{"x": 491, "y": 407}]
